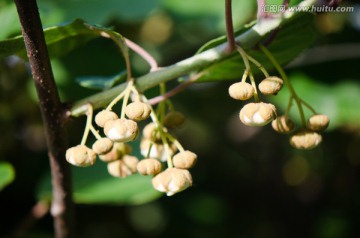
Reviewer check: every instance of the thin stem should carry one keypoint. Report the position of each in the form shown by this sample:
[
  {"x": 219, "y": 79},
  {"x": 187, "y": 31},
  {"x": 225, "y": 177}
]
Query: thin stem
[
  {"x": 245, "y": 75},
  {"x": 120, "y": 96},
  {"x": 126, "y": 99},
  {"x": 176, "y": 142},
  {"x": 89, "y": 117},
  {"x": 143, "y": 53},
  {"x": 248, "y": 68},
  {"x": 229, "y": 26},
  {"x": 308, "y": 106},
  {"x": 176, "y": 90},
  {"x": 95, "y": 132},
  {"x": 289, "y": 106},
  {"x": 286, "y": 81},
  {"x": 259, "y": 65},
  {"x": 54, "y": 116}
]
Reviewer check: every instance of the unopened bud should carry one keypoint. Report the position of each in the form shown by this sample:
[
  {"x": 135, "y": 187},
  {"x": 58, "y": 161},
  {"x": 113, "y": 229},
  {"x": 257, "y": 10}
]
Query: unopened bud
[
  {"x": 104, "y": 116},
  {"x": 80, "y": 155},
  {"x": 184, "y": 160},
  {"x": 172, "y": 181},
  {"x": 318, "y": 122},
  {"x": 174, "y": 119},
  {"x": 257, "y": 114},
  {"x": 283, "y": 124},
  {"x": 155, "y": 150},
  {"x": 138, "y": 111},
  {"x": 117, "y": 152},
  {"x": 241, "y": 91},
  {"x": 305, "y": 140},
  {"x": 152, "y": 133},
  {"x": 121, "y": 130},
  {"x": 123, "y": 167},
  {"x": 271, "y": 85},
  {"x": 102, "y": 146},
  {"x": 149, "y": 166}
]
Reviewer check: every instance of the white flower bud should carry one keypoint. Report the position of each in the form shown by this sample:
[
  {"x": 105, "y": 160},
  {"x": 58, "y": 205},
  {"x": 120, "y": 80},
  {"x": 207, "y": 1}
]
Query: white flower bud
[
  {"x": 283, "y": 124},
  {"x": 123, "y": 167},
  {"x": 172, "y": 181},
  {"x": 305, "y": 140},
  {"x": 149, "y": 166},
  {"x": 80, "y": 155},
  {"x": 138, "y": 111},
  {"x": 184, "y": 160},
  {"x": 121, "y": 130},
  {"x": 117, "y": 152},
  {"x": 104, "y": 116},
  {"x": 271, "y": 85},
  {"x": 241, "y": 91},
  {"x": 157, "y": 150},
  {"x": 318, "y": 122},
  {"x": 257, "y": 114},
  {"x": 102, "y": 146}
]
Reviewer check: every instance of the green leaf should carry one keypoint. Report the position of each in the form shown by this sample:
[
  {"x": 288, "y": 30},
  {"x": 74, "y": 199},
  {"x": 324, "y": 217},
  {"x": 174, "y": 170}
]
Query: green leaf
[
  {"x": 339, "y": 101},
  {"x": 7, "y": 174},
  {"x": 94, "y": 185},
  {"x": 9, "y": 21},
  {"x": 101, "y": 82},
  {"x": 292, "y": 38}
]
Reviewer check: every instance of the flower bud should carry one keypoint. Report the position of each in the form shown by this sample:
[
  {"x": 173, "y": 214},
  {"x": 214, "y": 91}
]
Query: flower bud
[
  {"x": 157, "y": 150},
  {"x": 184, "y": 160},
  {"x": 174, "y": 119},
  {"x": 241, "y": 91},
  {"x": 138, "y": 111},
  {"x": 117, "y": 152},
  {"x": 271, "y": 85},
  {"x": 305, "y": 140},
  {"x": 123, "y": 167},
  {"x": 149, "y": 166},
  {"x": 104, "y": 116},
  {"x": 283, "y": 124},
  {"x": 80, "y": 155},
  {"x": 121, "y": 130},
  {"x": 257, "y": 114},
  {"x": 102, "y": 146},
  {"x": 152, "y": 133},
  {"x": 172, "y": 181},
  {"x": 318, "y": 122}
]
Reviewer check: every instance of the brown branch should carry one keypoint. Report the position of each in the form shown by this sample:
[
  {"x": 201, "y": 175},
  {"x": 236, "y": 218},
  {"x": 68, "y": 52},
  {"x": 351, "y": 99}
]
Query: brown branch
[
  {"x": 229, "y": 26},
  {"x": 53, "y": 115}
]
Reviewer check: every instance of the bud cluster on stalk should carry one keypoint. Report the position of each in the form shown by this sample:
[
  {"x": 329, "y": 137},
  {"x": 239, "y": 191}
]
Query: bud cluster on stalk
[{"x": 157, "y": 146}]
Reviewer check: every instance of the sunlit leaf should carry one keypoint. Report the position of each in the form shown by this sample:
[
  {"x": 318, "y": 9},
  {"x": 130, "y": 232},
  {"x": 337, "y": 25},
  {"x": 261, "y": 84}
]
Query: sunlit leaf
[
  {"x": 7, "y": 174},
  {"x": 94, "y": 185},
  {"x": 100, "y": 82},
  {"x": 291, "y": 39}
]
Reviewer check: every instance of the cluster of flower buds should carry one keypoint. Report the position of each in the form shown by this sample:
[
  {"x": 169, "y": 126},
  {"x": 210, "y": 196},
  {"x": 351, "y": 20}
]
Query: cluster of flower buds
[
  {"x": 256, "y": 113},
  {"x": 157, "y": 146}
]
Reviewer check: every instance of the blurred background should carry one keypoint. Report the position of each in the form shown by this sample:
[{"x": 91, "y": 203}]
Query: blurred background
[{"x": 249, "y": 182}]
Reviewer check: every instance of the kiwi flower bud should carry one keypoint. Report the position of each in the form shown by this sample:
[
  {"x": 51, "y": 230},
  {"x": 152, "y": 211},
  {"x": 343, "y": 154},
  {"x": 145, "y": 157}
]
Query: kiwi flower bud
[
  {"x": 117, "y": 152},
  {"x": 149, "y": 166},
  {"x": 271, "y": 85},
  {"x": 241, "y": 91},
  {"x": 157, "y": 150},
  {"x": 102, "y": 146},
  {"x": 80, "y": 155},
  {"x": 123, "y": 167},
  {"x": 174, "y": 119},
  {"x": 184, "y": 160},
  {"x": 152, "y": 133},
  {"x": 257, "y": 114},
  {"x": 172, "y": 181},
  {"x": 121, "y": 130},
  {"x": 305, "y": 140},
  {"x": 318, "y": 122},
  {"x": 104, "y": 116},
  {"x": 138, "y": 111},
  {"x": 283, "y": 124}
]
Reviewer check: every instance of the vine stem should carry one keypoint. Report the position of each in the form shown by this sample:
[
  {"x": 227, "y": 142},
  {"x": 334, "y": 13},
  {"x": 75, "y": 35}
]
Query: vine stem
[
  {"x": 54, "y": 116},
  {"x": 282, "y": 73},
  {"x": 195, "y": 63},
  {"x": 143, "y": 53},
  {"x": 89, "y": 116},
  {"x": 229, "y": 26}
]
